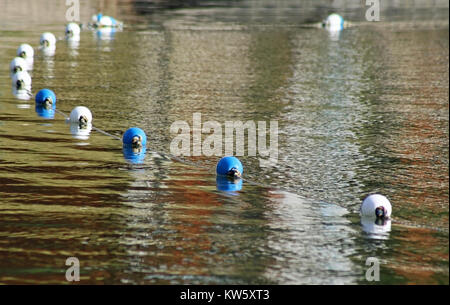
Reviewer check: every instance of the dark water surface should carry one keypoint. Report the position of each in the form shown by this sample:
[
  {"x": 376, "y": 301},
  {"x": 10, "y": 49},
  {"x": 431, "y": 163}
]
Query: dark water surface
[{"x": 359, "y": 112}]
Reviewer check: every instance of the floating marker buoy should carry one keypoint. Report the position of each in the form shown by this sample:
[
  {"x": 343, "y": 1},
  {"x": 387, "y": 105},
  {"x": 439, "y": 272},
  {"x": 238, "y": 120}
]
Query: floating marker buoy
[
  {"x": 18, "y": 64},
  {"x": 105, "y": 21},
  {"x": 73, "y": 34},
  {"x": 105, "y": 26},
  {"x": 376, "y": 206},
  {"x": 80, "y": 120},
  {"x": 230, "y": 166},
  {"x": 334, "y": 22},
  {"x": 72, "y": 30},
  {"x": 80, "y": 115},
  {"x": 21, "y": 80},
  {"x": 134, "y": 145},
  {"x": 96, "y": 17},
  {"x": 47, "y": 40},
  {"x": 134, "y": 137},
  {"x": 45, "y": 97},
  {"x": 26, "y": 52}
]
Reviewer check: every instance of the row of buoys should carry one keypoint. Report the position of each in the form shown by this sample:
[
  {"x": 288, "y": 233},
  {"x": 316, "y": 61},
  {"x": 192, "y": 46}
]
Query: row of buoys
[
  {"x": 229, "y": 169},
  {"x": 80, "y": 117},
  {"x": 23, "y": 62},
  {"x": 19, "y": 67}
]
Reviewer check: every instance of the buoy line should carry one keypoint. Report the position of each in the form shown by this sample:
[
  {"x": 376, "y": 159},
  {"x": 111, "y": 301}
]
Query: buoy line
[
  {"x": 375, "y": 200},
  {"x": 228, "y": 170}
]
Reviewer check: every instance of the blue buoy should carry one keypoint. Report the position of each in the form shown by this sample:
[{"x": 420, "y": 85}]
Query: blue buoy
[
  {"x": 45, "y": 97},
  {"x": 230, "y": 166},
  {"x": 134, "y": 137},
  {"x": 226, "y": 184}
]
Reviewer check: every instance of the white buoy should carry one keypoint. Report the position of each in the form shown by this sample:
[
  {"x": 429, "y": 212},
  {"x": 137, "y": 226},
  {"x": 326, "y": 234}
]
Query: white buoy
[
  {"x": 25, "y": 51},
  {"x": 334, "y": 22},
  {"x": 73, "y": 31},
  {"x": 100, "y": 20},
  {"x": 48, "y": 40},
  {"x": 106, "y": 21},
  {"x": 18, "y": 64},
  {"x": 21, "y": 80},
  {"x": 376, "y": 206},
  {"x": 80, "y": 115},
  {"x": 96, "y": 18}
]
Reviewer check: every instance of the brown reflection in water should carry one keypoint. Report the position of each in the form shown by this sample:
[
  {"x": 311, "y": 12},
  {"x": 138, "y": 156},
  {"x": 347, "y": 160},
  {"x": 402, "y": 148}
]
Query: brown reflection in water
[
  {"x": 420, "y": 267},
  {"x": 415, "y": 110},
  {"x": 208, "y": 236},
  {"x": 193, "y": 213},
  {"x": 421, "y": 140}
]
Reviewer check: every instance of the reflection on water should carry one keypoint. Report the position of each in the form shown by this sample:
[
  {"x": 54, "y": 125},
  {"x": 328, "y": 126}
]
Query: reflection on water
[
  {"x": 22, "y": 94},
  {"x": 80, "y": 132},
  {"x": 45, "y": 111},
  {"x": 48, "y": 52},
  {"x": 134, "y": 155},
  {"x": 229, "y": 185},
  {"x": 359, "y": 111},
  {"x": 311, "y": 242},
  {"x": 376, "y": 228}
]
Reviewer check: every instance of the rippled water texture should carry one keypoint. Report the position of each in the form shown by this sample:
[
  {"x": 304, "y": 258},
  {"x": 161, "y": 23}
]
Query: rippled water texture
[{"x": 365, "y": 110}]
